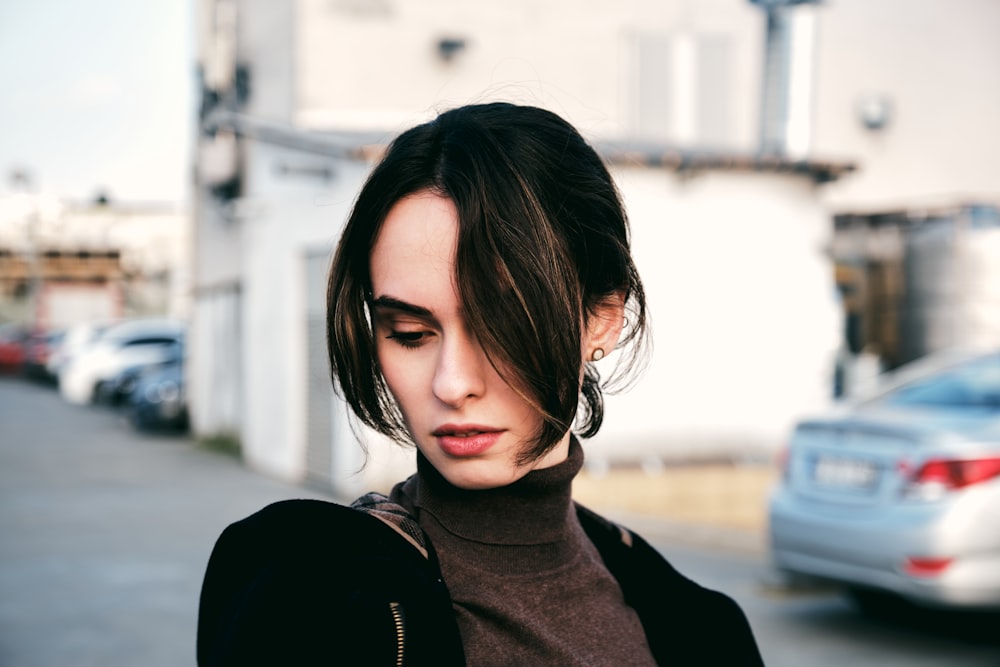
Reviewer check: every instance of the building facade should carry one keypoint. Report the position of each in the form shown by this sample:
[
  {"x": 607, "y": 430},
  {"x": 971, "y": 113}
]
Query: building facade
[
  {"x": 65, "y": 262},
  {"x": 733, "y": 240}
]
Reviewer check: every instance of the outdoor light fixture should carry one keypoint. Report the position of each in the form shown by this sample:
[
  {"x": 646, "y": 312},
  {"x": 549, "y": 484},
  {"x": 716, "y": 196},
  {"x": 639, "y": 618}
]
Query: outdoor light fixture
[
  {"x": 448, "y": 47},
  {"x": 874, "y": 111}
]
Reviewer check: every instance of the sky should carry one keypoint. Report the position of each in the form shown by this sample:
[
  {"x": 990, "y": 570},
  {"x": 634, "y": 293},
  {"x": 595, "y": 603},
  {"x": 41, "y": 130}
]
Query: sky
[{"x": 98, "y": 96}]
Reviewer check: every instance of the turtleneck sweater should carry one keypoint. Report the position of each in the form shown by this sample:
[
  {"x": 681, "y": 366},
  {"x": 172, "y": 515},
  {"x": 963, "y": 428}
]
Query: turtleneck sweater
[{"x": 527, "y": 585}]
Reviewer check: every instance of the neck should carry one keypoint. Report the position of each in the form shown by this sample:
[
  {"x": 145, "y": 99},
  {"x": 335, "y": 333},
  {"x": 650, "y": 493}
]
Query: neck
[{"x": 534, "y": 511}]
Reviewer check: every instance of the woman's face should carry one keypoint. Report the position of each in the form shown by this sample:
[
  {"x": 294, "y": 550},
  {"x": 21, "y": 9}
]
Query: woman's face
[{"x": 468, "y": 422}]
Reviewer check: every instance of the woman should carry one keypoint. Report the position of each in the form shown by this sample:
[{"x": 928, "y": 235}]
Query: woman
[{"x": 484, "y": 271}]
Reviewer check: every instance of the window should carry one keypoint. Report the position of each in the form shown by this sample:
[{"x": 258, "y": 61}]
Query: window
[{"x": 972, "y": 385}]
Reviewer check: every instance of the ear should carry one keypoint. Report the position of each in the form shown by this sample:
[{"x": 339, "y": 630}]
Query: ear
[{"x": 604, "y": 325}]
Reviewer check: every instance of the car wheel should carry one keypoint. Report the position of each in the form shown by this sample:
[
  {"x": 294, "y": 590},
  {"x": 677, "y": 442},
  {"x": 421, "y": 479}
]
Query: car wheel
[{"x": 876, "y": 603}]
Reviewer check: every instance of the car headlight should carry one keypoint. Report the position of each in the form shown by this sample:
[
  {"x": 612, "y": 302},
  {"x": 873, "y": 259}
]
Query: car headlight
[{"x": 163, "y": 392}]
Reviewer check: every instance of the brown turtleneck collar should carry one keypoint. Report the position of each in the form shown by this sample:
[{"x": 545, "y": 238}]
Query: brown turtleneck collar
[
  {"x": 527, "y": 585},
  {"x": 527, "y": 526}
]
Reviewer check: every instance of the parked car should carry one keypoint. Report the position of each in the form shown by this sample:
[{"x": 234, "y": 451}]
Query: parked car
[
  {"x": 117, "y": 391},
  {"x": 899, "y": 493},
  {"x": 159, "y": 400},
  {"x": 39, "y": 350},
  {"x": 77, "y": 337},
  {"x": 13, "y": 341},
  {"x": 129, "y": 343}
]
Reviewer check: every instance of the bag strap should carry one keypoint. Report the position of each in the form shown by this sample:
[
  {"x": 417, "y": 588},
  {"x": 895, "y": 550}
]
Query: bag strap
[{"x": 395, "y": 516}]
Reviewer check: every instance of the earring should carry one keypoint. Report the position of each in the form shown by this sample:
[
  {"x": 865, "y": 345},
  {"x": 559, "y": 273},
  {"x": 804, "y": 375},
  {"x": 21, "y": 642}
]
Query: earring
[{"x": 597, "y": 354}]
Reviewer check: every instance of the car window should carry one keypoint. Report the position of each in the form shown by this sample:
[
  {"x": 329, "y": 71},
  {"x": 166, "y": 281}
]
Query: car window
[
  {"x": 150, "y": 340},
  {"x": 973, "y": 385}
]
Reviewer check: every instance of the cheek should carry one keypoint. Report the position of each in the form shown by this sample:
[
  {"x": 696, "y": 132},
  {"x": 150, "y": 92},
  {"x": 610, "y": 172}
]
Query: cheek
[
  {"x": 403, "y": 375},
  {"x": 517, "y": 407}
]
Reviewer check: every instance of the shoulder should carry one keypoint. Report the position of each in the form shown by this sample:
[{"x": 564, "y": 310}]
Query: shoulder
[
  {"x": 291, "y": 524},
  {"x": 681, "y": 617},
  {"x": 268, "y": 572},
  {"x": 283, "y": 515},
  {"x": 635, "y": 562},
  {"x": 304, "y": 534},
  {"x": 627, "y": 552},
  {"x": 295, "y": 539}
]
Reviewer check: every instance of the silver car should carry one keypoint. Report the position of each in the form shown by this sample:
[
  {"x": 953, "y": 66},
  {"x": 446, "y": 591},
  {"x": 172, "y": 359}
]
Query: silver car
[{"x": 900, "y": 493}]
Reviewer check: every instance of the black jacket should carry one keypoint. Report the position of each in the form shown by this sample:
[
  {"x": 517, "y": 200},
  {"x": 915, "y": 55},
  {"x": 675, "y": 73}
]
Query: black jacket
[{"x": 305, "y": 582}]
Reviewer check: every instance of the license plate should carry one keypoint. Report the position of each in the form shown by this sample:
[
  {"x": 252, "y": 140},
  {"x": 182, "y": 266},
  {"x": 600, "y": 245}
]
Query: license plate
[{"x": 844, "y": 472}]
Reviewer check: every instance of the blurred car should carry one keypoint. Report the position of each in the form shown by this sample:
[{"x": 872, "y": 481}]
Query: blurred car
[
  {"x": 129, "y": 343},
  {"x": 158, "y": 400},
  {"x": 38, "y": 351},
  {"x": 116, "y": 391},
  {"x": 899, "y": 494},
  {"x": 13, "y": 343},
  {"x": 76, "y": 338}
]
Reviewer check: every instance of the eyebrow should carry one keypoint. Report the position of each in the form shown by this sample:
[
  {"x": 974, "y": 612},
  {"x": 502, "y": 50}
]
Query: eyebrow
[{"x": 392, "y": 303}]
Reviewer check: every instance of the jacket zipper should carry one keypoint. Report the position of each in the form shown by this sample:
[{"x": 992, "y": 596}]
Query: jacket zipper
[{"x": 397, "y": 618}]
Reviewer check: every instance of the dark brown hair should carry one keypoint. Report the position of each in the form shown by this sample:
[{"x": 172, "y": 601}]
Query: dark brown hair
[{"x": 542, "y": 239}]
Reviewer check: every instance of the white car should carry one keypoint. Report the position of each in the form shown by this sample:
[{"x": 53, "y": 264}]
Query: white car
[
  {"x": 124, "y": 345},
  {"x": 77, "y": 338},
  {"x": 900, "y": 493}
]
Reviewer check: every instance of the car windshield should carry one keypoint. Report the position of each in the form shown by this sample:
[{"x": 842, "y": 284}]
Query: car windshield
[
  {"x": 972, "y": 385},
  {"x": 150, "y": 340},
  {"x": 142, "y": 328}
]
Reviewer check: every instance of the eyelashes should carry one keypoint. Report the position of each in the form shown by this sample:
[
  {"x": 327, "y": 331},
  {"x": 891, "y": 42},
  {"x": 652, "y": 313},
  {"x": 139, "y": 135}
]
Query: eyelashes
[{"x": 408, "y": 339}]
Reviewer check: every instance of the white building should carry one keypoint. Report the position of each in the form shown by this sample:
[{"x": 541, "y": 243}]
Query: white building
[
  {"x": 731, "y": 241},
  {"x": 150, "y": 245}
]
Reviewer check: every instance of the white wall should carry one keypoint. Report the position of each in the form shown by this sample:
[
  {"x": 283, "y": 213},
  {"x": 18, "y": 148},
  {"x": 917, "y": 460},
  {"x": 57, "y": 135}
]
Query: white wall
[
  {"x": 742, "y": 296},
  {"x": 266, "y": 45},
  {"x": 284, "y": 216},
  {"x": 745, "y": 325},
  {"x": 292, "y": 217},
  {"x": 214, "y": 364},
  {"x": 374, "y": 65},
  {"x": 744, "y": 318},
  {"x": 939, "y": 64},
  {"x": 214, "y": 373}
]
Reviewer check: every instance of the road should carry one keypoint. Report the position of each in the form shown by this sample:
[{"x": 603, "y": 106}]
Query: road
[
  {"x": 818, "y": 627},
  {"x": 104, "y": 535}
]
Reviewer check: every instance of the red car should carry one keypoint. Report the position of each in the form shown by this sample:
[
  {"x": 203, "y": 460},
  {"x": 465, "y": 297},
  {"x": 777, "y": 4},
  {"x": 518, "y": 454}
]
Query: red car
[
  {"x": 38, "y": 348},
  {"x": 13, "y": 345}
]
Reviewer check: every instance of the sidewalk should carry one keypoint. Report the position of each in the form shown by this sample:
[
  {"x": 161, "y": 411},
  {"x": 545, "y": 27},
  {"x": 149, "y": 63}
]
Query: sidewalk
[
  {"x": 713, "y": 505},
  {"x": 106, "y": 533}
]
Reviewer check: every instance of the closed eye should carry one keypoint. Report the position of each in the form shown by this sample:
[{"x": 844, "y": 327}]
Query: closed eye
[
  {"x": 406, "y": 324},
  {"x": 409, "y": 339}
]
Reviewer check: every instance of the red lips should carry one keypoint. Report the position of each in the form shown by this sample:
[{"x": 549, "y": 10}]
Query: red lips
[{"x": 464, "y": 440}]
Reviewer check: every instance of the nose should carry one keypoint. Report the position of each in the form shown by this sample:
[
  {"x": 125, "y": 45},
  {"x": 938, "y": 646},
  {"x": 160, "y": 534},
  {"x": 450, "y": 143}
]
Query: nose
[{"x": 461, "y": 370}]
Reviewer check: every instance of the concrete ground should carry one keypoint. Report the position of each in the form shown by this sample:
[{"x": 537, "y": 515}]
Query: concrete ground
[{"x": 104, "y": 533}]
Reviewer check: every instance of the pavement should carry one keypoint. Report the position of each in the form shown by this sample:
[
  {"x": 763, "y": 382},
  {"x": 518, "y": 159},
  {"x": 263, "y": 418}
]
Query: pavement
[
  {"x": 105, "y": 533},
  {"x": 717, "y": 505}
]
